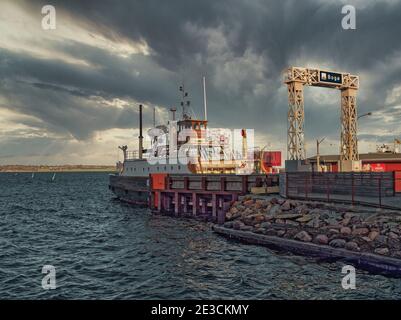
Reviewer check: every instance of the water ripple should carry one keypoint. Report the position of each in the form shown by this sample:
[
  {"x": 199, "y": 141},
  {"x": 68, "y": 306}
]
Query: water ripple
[{"x": 104, "y": 249}]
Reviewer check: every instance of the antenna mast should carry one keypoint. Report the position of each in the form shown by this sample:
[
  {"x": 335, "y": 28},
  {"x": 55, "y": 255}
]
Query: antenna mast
[
  {"x": 204, "y": 96},
  {"x": 185, "y": 103}
]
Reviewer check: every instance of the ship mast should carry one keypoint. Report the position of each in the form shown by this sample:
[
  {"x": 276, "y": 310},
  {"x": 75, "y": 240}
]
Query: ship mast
[
  {"x": 140, "y": 133},
  {"x": 185, "y": 103}
]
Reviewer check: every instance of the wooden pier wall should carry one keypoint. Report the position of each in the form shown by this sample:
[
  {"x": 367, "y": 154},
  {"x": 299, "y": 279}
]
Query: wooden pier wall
[{"x": 371, "y": 262}]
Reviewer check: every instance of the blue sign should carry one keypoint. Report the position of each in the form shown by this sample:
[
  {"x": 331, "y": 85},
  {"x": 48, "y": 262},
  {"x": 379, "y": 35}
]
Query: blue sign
[{"x": 331, "y": 77}]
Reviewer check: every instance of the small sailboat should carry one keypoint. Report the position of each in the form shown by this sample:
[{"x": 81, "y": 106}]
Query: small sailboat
[
  {"x": 54, "y": 176},
  {"x": 33, "y": 174}
]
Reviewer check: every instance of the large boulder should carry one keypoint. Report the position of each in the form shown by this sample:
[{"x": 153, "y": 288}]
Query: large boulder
[
  {"x": 345, "y": 221},
  {"x": 291, "y": 223},
  {"x": 381, "y": 239},
  {"x": 248, "y": 203},
  {"x": 288, "y": 216},
  {"x": 302, "y": 209},
  {"x": 237, "y": 203},
  {"x": 349, "y": 215},
  {"x": 247, "y": 212},
  {"x": 305, "y": 218},
  {"x": 303, "y": 236},
  {"x": 261, "y": 204},
  {"x": 280, "y": 233},
  {"x": 275, "y": 210},
  {"x": 257, "y": 218},
  {"x": 265, "y": 224},
  {"x": 234, "y": 210},
  {"x": 345, "y": 231},
  {"x": 321, "y": 239},
  {"x": 286, "y": 206},
  {"x": 332, "y": 222},
  {"x": 351, "y": 245},
  {"x": 337, "y": 243},
  {"x": 238, "y": 224},
  {"x": 373, "y": 235},
  {"x": 233, "y": 213},
  {"x": 248, "y": 221},
  {"x": 274, "y": 201},
  {"x": 382, "y": 251},
  {"x": 314, "y": 223},
  {"x": 360, "y": 232}
]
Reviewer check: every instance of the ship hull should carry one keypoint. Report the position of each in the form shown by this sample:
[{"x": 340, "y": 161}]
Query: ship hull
[{"x": 133, "y": 190}]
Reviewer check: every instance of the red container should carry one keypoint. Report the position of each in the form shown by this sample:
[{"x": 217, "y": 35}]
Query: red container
[
  {"x": 158, "y": 181},
  {"x": 397, "y": 182},
  {"x": 272, "y": 158}
]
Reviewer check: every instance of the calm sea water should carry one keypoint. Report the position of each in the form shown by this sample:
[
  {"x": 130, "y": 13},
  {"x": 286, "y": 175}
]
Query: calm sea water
[{"x": 104, "y": 249}]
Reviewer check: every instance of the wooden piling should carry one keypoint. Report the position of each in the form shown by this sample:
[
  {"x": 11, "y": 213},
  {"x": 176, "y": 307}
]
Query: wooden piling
[
  {"x": 208, "y": 195},
  {"x": 177, "y": 201},
  {"x": 194, "y": 204},
  {"x": 214, "y": 206}
]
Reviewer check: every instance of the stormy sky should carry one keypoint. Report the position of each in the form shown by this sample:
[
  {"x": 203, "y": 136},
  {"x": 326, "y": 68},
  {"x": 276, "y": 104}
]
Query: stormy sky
[{"x": 70, "y": 95}]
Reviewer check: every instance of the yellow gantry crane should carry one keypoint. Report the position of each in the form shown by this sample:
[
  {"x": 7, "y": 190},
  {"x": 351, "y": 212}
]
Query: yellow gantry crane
[{"x": 296, "y": 78}]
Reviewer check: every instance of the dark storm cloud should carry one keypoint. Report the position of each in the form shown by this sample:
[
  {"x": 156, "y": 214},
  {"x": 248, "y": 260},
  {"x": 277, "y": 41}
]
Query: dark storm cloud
[
  {"x": 250, "y": 36},
  {"x": 68, "y": 98},
  {"x": 280, "y": 29}
]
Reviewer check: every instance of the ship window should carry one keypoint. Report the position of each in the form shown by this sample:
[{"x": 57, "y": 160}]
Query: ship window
[
  {"x": 143, "y": 169},
  {"x": 179, "y": 167},
  {"x": 165, "y": 168},
  {"x": 134, "y": 169},
  {"x": 148, "y": 168},
  {"x": 157, "y": 168}
]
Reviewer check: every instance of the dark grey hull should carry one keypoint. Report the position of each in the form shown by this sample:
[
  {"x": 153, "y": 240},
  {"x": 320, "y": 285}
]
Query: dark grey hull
[{"x": 133, "y": 190}]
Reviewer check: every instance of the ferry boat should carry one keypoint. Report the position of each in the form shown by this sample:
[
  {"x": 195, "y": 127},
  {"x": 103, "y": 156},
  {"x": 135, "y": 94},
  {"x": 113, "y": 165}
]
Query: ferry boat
[{"x": 184, "y": 146}]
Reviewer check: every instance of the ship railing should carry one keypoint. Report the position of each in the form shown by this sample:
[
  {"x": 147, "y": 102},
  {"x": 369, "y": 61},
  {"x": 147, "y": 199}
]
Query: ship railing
[{"x": 134, "y": 155}]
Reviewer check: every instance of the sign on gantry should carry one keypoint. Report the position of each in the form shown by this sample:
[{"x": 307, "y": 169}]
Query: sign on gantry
[{"x": 295, "y": 79}]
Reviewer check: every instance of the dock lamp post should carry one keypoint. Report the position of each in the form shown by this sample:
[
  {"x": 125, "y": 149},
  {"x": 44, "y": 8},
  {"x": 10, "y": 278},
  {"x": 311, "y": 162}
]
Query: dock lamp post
[
  {"x": 318, "y": 142},
  {"x": 362, "y": 115}
]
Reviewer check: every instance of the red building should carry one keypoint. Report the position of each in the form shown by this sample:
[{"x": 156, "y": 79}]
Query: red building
[{"x": 371, "y": 162}]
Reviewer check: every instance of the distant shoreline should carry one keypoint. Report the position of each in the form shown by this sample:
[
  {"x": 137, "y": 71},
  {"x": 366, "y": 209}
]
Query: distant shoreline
[{"x": 61, "y": 168}]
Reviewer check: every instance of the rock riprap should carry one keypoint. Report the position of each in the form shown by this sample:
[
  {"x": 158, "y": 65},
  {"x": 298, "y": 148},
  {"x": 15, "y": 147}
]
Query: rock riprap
[{"x": 337, "y": 226}]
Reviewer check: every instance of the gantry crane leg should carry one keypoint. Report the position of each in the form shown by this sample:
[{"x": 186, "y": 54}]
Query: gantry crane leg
[
  {"x": 295, "y": 143},
  {"x": 349, "y": 156}
]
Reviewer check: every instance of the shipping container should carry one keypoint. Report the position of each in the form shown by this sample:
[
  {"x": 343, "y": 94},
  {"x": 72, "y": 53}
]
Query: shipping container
[{"x": 272, "y": 158}]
